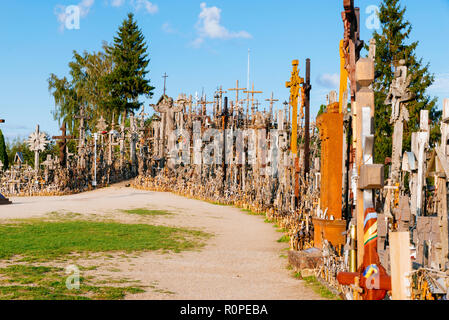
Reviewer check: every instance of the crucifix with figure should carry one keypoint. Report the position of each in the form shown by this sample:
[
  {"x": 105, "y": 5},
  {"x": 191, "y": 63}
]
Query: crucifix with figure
[
  {"x": 295, "y": 86},
  {"x": 62, "y": 143}
]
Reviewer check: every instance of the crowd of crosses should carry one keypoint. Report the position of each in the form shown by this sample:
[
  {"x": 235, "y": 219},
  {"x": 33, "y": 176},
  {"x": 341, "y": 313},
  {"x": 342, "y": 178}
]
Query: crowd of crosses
[{"x": 367, "y": 238}]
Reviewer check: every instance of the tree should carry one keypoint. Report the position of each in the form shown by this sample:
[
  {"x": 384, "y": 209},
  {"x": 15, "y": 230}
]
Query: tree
[
  {"x": 3, "y": 153},
  {"x": 391, "y": 47},
  {"x": 86, "y": 88},
  {"x": 127, "y": 80}
]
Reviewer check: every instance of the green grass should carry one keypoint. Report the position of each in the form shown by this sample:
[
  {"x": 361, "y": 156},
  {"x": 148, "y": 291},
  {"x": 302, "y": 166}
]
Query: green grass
[
  {"x": 284, "y": 238},
  {"x": 20, "y": 282},
  {"x": 146, "y": 212},
  {"x": 317, "y": 287},
  {"x": 43, "y": 241},
  {"x": 252, "y": 213}
]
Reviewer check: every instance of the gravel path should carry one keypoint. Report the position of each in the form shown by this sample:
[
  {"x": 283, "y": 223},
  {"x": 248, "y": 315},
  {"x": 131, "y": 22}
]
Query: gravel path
[{"x": 241, "y": 261}]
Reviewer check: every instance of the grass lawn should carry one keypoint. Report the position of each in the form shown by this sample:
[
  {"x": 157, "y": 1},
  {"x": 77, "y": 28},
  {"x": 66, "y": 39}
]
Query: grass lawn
[
  {"x": 20, "y": 282},
  {"x": 25, "y": 244},
  {"x": 50, "y": 240}
]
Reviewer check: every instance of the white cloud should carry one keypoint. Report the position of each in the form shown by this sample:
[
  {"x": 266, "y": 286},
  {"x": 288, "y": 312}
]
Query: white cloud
[
  {"x": 209, "y": 26},
  {"x": 117, "y": 3},
  {"x": 329, "y": 81},
  {"x": 166, "y": 27},
  {"x": 62, "y": 14},
  {"x": 441, "y": 84},
  {"x": 145, "y": 4}
]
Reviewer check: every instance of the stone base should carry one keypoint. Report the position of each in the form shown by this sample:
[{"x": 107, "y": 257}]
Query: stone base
[
  {"x": 3, "y": 200},
  {"x": 305, "y": 260}
]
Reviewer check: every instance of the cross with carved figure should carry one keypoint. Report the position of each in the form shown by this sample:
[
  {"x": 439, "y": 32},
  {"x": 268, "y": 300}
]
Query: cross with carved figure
[
  {"x": 295, "y": 85},
  {"x": 62, "y": 143}
]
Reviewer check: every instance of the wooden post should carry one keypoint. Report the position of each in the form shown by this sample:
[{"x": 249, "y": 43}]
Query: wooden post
[{"x": 401, "y": 265}]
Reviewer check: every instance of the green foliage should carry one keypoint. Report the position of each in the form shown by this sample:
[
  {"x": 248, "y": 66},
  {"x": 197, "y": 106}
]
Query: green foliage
[
  {"x": 391, "y": 47},
  {"x": 322, "y": 110},
  {"x": 127, "y": 80},
  {"x": 41, "y": 241},
  {"x": 3, "y": 153},
  {"x": 25, "y": 282},
  {"x": 19, "y": 145},
  {"x": 105, "y": 83}
]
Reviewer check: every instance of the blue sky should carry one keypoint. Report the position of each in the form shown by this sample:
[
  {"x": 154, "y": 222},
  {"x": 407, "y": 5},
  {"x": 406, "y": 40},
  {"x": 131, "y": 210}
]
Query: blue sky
[{"x": 200, "y": 44}]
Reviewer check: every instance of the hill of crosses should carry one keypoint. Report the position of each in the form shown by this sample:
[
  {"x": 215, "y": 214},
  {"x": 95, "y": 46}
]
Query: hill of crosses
[{"x": 366, "y": 229}]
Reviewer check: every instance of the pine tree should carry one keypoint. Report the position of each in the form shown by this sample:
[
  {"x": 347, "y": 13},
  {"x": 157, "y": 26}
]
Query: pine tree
[
  {"x": 3, "y": 154},
  {"x": 392, "y": 47},
  {"x": 127, "y": 81}
]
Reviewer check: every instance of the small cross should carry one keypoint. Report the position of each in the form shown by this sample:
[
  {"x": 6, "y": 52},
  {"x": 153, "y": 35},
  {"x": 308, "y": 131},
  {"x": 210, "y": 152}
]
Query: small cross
[{"x": 165, "y": 81}]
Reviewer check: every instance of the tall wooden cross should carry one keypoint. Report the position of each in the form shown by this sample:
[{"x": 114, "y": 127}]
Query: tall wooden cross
[
  {"x": 307, "y": 87},
  {"x": 237, "y": 90},
  {"x": 165, "y": 81},
  {"x": 352, "y": 45},
  {"x": 62, "y": 143},
  {"x": 295, "y": 85},
  {"x": 252, "y": 92}
]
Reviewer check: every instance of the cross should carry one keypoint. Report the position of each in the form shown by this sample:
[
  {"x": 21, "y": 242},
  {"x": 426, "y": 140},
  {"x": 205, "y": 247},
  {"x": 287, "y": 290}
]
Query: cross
[
  {"x": 37, "y": 142},
  {"x": 204, "y": 103},
  {"x": 295, "y": 85},
  {"x": 272, "y": 101},
  {"x": 252, "y": 92},
  {"x": 165, "y": 81},
  {"x": 352, "y": 45},
  {"x": 219, "y": 93},
  {"x": 237, "y": 89},
  {"x": 62, "y": 143}
]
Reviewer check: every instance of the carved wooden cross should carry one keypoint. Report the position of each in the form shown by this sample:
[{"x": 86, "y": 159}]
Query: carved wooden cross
[
  {"x": 62, "y": 143},
  {"x": 295, "y": 85},
  {"x": 37, "y": 142},
  {"x": 352, "y": 45}
]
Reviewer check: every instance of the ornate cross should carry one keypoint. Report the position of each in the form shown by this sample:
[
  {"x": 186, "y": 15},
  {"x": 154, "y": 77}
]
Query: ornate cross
[
  {"x": 62, "y": 143},
  {"x": 295, "y": 85},
  {"x": 272, "y": 101},
  {"x": 37, "y": 142}
]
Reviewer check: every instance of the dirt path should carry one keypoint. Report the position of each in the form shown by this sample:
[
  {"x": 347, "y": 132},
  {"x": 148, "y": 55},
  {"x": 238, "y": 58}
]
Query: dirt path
[{"x": 241, "y": 261}]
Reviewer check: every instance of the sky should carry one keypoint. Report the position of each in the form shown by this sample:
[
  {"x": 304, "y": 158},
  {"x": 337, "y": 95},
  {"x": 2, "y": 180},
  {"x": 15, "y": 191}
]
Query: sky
[{"x": 201, "y": 45}]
